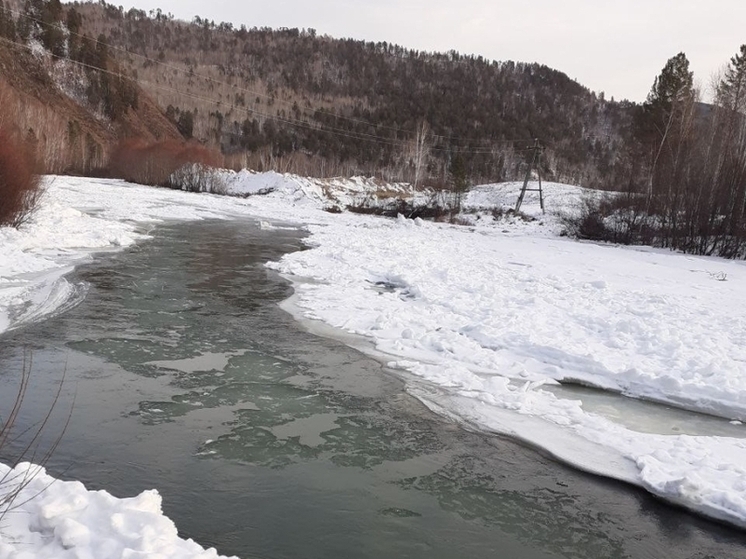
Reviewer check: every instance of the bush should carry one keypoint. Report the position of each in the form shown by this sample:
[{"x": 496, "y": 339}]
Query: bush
[
  {"x": 23, "y": 442},
  {"x": 439, "y": 206},
  {"x": 197, "y": 177},
  {"x": 402, "y": 207},
  {"x": 623, "y": 218},
  {"x": 499, "y": 213},
  {"x": 159, "y": 163},
  {"x": 20, "y": 189}
]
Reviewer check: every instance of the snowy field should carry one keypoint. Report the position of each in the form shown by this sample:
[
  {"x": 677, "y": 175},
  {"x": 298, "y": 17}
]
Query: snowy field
[{"x": 487, "y": 323}]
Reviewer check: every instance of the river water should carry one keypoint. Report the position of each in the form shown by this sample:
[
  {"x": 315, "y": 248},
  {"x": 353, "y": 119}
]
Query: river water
[{"x": 180, "y": 372}]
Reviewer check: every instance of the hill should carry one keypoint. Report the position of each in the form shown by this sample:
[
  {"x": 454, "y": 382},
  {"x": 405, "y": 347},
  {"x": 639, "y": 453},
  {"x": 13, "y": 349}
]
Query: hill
[
  {"x": 83, "y": 76},
  {"x": 292, "y": 100},
  {"x": 51, "y": 95}
]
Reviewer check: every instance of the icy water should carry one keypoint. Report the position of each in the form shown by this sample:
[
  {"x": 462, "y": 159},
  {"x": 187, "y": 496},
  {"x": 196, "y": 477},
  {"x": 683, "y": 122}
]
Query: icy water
[{"x": 183, "y": 374}]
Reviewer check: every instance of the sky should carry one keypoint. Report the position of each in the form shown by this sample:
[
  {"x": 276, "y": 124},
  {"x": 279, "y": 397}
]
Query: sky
[{"x": 617, "y": 47}]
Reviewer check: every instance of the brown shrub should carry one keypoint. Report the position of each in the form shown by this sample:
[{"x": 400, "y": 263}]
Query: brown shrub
[
  {"x": 154, "y": 163},
  {"x": 20, "y": 189}
]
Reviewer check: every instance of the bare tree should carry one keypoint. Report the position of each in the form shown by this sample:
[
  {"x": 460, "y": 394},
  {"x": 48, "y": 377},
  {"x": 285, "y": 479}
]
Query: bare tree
[{"x": 420, "y": 152}]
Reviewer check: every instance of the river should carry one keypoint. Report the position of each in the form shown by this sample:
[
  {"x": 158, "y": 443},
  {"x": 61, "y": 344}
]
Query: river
[{"x": 181, "y": 372}]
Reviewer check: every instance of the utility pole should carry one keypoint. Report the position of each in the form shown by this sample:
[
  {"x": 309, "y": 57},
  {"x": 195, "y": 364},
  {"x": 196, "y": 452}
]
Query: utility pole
[{"x": 535, "y": 164}]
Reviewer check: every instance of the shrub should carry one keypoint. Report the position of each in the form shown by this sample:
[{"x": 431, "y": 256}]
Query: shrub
[
  {"x": 21, "y": 442},
  {"x": 438, "y": 206},
  {"x": 197, "y": 177},
  {"x": 155, "y": 163},
  {"x": 624, "y": 218},
  {"x": 499, "y": 213},
  {"x": 20, "y": 189}
]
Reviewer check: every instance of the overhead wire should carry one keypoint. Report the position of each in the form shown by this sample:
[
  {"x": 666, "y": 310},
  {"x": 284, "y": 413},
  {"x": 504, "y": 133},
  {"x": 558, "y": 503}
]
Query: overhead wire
[{"x": 325, "y": 128}]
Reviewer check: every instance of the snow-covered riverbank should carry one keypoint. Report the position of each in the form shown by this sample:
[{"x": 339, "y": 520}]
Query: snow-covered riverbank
[
  {"x": 484, "y": 320},
  {"x": 55, "y": 519}
]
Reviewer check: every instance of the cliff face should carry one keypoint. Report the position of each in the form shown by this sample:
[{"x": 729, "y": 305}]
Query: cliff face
[{"x": 47, "y": 100}]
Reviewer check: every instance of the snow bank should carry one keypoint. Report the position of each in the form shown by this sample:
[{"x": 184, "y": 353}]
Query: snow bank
[
  {"x": 558, "y": 198},
  {"x": 341, "y": 192},
  {"x": 55, "y": 519},
  {"x": 247, "y": 183},
  {"x": 646, "y": 323}
]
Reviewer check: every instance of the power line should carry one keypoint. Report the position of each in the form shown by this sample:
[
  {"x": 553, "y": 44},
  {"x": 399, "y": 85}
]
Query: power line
[{"x": 325, "y": 128}]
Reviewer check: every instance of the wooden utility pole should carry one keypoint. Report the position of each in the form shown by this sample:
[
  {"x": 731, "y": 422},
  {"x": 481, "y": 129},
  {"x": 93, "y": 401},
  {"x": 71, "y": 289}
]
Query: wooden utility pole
[{"x": 535, "y": 164}]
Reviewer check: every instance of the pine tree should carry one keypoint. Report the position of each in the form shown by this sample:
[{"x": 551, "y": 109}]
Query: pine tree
[
  {"x": 185, "y": 124},
  {"x": 665, "y": 118},
  {"x": 74, "y": 22},
  {"x": 7, "y": 25},
  {"x": 671, "y": 91},
  {"x": 41, "y": 21},
  {"x": 731, "y": 91}
]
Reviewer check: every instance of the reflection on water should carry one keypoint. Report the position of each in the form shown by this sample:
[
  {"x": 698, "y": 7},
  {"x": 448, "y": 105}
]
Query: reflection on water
[{"x": 267, "y": 441}]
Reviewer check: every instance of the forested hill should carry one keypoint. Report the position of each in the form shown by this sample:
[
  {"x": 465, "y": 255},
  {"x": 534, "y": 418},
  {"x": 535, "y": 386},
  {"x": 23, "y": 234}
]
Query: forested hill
[
  {"x": 321, "y": 105},
  {"x": 292, "y": 100},
  {"x": 64, "y": 96}
]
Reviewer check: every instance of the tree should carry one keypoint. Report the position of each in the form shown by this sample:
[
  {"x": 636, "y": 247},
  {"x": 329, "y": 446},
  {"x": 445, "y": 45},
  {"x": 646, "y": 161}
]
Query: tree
[
  {"x": 102, "y": 52},
  {"x": 7, "y": 25},
  {"x": 74, "y": 23},
  {"x": 185, "y": 124},
  {"x": 731, "y": 91},
  {"x": 667, "y": 110},
  {"x": 42, "y": 22},
  {"x": 459, "y": 180},
  {"x": 729, "y": 159},
  {"x": 420, "y": 151},
  {"x": 672, "y": 89}
]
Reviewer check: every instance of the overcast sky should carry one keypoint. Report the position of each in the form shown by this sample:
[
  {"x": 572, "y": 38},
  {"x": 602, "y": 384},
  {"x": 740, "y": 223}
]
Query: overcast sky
[{"x": 613, "y": 46}]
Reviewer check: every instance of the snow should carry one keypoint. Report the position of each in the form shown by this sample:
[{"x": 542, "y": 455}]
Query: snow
[
  {"x": 314, "y": 192},
  {"x": 61, "y": 519},
  {"x": 487, "y": 323}
]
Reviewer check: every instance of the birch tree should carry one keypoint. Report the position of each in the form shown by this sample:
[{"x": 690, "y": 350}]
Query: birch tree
[{"x": 420, "y": 153}]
